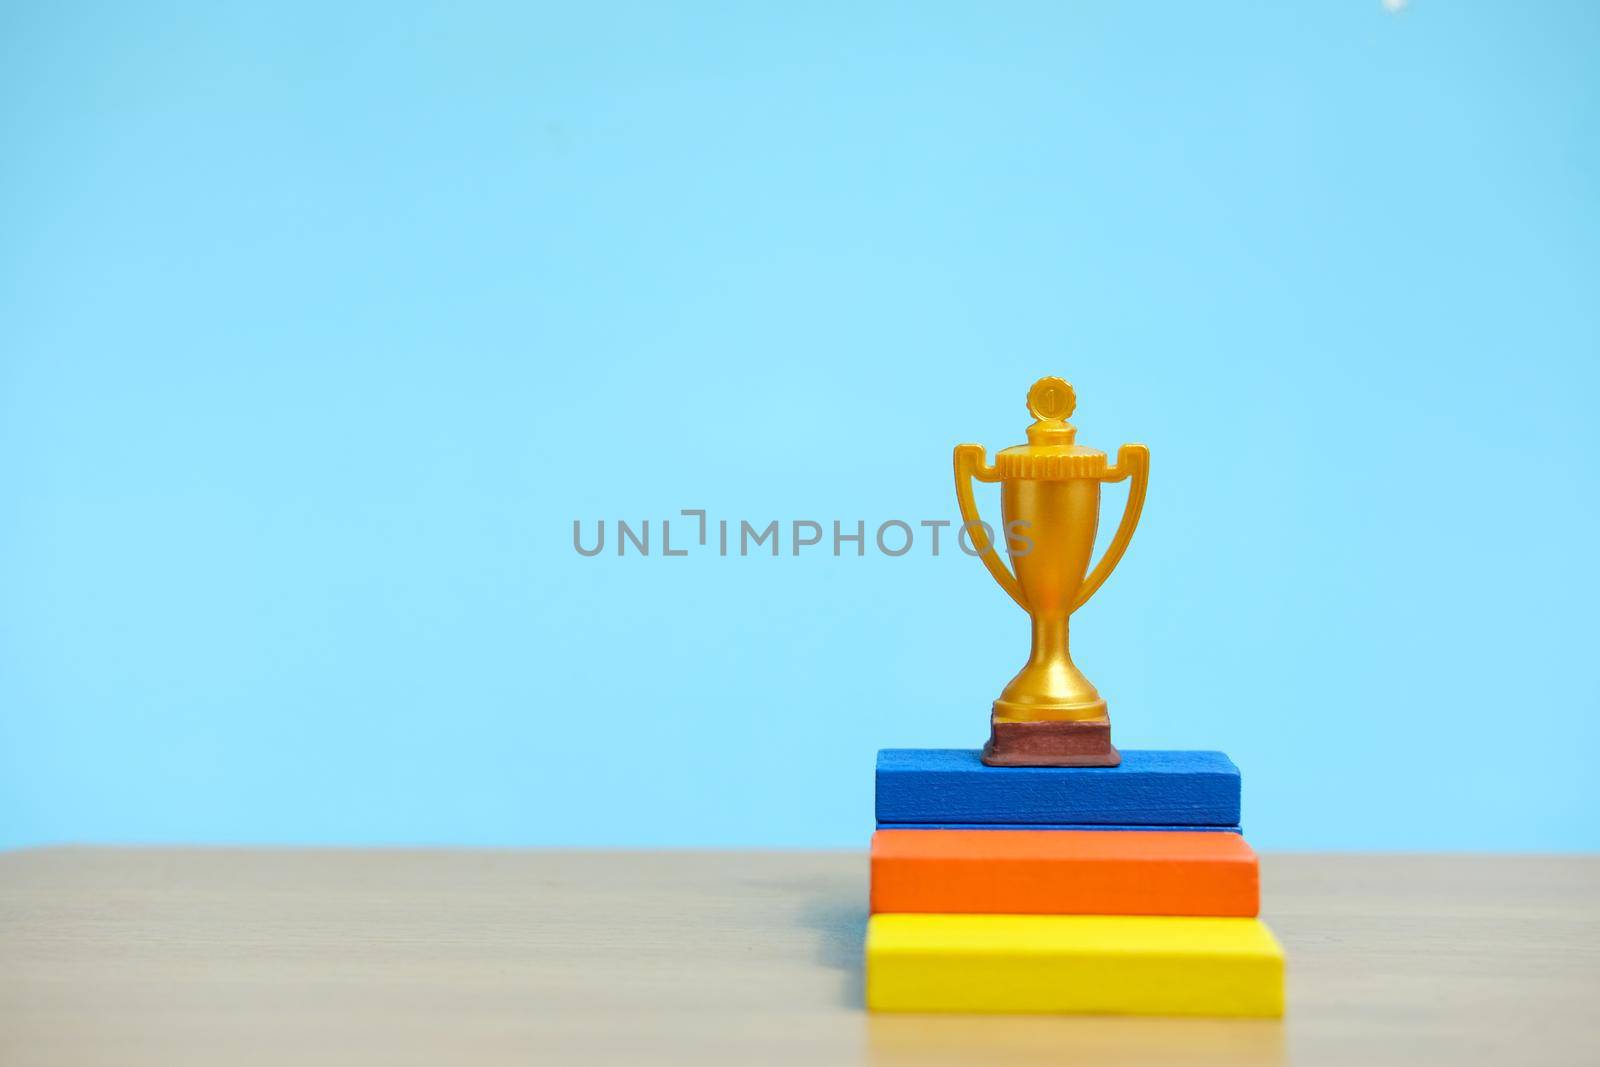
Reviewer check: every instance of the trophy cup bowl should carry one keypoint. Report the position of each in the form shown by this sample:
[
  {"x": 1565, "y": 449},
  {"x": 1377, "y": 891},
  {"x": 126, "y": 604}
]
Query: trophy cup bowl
[
  {"x": 1050, "y": 715},
  {"x": 1061, "y": 519}
]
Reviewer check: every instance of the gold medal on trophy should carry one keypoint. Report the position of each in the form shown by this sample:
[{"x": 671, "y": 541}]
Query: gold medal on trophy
[{"x": 1050, "y": 715}]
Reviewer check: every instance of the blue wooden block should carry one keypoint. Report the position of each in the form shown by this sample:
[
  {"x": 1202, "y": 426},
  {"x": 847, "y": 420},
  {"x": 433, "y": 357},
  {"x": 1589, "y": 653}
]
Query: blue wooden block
[
  {"x": 948, "y": 786},
  {"x": 1234, "y": 829}
]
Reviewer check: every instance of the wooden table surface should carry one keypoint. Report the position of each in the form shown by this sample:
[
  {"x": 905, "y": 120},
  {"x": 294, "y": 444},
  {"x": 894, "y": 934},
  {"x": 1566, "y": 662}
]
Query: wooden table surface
[{"x": 219, "y": 957}]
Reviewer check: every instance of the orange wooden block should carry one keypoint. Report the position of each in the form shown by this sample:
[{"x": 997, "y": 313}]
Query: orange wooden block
[{"x": 1064, "y": 872}]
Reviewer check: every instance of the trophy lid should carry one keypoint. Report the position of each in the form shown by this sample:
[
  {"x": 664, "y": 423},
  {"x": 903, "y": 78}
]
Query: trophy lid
[{"x": 1052, "y": 453}]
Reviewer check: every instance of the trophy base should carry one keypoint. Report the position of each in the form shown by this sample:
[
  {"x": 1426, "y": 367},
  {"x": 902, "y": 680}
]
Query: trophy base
[{"x": 1059, "y": 743}]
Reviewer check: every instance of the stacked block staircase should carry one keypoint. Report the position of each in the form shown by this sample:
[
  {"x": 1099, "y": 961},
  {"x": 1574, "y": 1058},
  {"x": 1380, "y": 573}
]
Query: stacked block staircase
[{"x": 1118, "y": 890}]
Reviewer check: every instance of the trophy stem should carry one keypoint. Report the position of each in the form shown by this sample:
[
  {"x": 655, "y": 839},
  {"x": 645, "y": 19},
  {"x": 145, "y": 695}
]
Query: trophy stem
[
  {"x": 1050, "y": 715},
  {"x": 1050, "y": 640}
]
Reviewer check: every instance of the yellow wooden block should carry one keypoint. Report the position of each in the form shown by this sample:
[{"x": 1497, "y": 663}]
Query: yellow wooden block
[{"x": 1078, "y": 964}]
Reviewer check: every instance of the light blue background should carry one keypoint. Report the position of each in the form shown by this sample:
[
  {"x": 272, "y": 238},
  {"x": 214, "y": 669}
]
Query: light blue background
[{"x": 319, "y": 325}]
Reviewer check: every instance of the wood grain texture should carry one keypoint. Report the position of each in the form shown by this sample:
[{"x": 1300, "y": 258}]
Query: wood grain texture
[
  {"x": 1074, "y": 964},
  {"x": 1055, "y": 872},
  {"x": 140, "y": 958},
  {"x": 1149, "y": 788}
]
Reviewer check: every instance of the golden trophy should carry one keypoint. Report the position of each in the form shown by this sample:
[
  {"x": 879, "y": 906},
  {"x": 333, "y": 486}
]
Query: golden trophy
[{"x": 1050, "y": 715}]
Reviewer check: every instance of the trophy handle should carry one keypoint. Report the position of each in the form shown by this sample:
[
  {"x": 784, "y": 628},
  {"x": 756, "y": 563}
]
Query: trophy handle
[
  {"x": 1134, "y": 461},
  {"x": 970, "y": 464}
]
